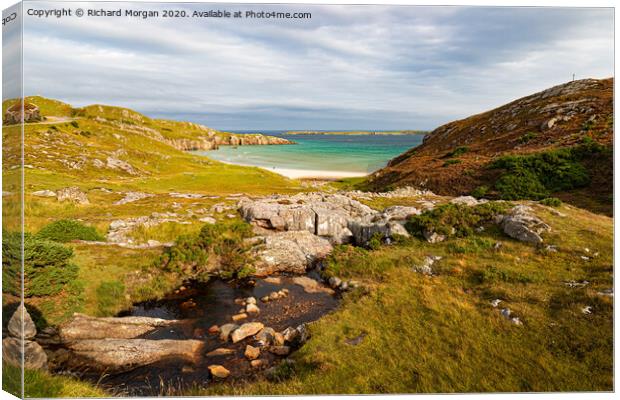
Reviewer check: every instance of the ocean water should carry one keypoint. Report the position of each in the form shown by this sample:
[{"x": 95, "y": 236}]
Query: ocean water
[{"x": 335, "y": 153}]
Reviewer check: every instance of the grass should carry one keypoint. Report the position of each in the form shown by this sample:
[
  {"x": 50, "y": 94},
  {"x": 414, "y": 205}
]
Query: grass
[{"x": 440, "y": 334}]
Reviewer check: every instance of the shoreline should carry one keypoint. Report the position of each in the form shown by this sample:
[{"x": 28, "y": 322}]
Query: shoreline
[{"x": 293, "y": 173}]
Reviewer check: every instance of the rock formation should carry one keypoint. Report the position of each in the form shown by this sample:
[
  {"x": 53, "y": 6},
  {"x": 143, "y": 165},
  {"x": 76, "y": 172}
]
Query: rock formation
[
  {"x": 21, "y": 330},
  {"x": 13, "y": 114}
]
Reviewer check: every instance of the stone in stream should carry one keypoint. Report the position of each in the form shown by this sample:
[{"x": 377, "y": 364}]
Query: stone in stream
[
  {"x": 218, "y": 371},
  {"x": 265, "y": 299},
  {"x": 257, "y": 363},
  {"x": 251, "y": 352},
  {"x": 222, "y": 351},
  {"x": 214, "y": 329},
  {"x": 119, "y": 355},
  {"x": 278, "y": 339},
  {"x": 226, "y": 330},
  {"x": 245, "y": 330},
  {"x": 280, "y": 350},
  {"x": 239, "y": 317},
  {"x": 310, "y": 285},
  {"x": 82, "y": 327},
  {"x": 252, "y": 308},
  {"x": 266, "y": 336},
  {"x": 250, "y": 300}
]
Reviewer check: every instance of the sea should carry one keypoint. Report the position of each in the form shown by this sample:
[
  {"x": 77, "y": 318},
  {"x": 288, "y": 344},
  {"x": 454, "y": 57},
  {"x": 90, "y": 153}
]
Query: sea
[{"x": 361, "y": 154}]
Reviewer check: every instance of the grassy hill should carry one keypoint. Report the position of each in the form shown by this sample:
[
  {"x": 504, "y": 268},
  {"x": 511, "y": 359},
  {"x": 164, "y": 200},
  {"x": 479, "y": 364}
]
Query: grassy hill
[{"x": 469, "y": 156}]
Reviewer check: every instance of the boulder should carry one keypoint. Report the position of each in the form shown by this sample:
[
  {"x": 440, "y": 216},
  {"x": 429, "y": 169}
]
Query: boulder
[
  {"x": 523, "y": 225},
  {"x": 118, "y": 355},
  {"x": 466, "y": 201},
  {"x": 246, "y": 330},
  {"x": 82, "y": 327},
  {"x": 399, "y": 213},
  {"x": 133, "y": 196},
  {"x": 293, "y": 252},
  {"x": 73, "y": 194},
  {"x": 251, "y": 352},
  {"x": 226, "y": 330},
  {"x": 21, "y": 325},
  {"x": 44, "y": 193},
  {"x": 363, "y": 231},
  {"x": 34, "y": 356}
]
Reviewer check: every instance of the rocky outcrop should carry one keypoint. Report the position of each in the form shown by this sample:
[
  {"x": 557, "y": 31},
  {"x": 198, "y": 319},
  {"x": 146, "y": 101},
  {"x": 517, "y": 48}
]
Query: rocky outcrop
[
  {"x": 118, "y": 355},
  {"x": 130, "y": 197},
  {"x": 13, "y": 114},
  {"x": 292, "y": 251},
  {"x": 83, "y": 327},
  {"x": 523, "y": 225},
  {"x": 73, "y": 194},
  {"x": 213, "y": 141},
  {"x": 22, "y": 331}
]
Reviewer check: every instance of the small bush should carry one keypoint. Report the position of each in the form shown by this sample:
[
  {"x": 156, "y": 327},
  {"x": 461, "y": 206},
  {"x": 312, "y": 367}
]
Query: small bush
[
  {"x": 459, "y": 151},
  {"x": 74, "y": 124},
  {"x": 480, "y": 191},
  {"x": 454, "y": 219},
  {"x": 527, "y": 137},
  {"x": 551, "y": 202},
  {"x": 375, "y": 241},
  {"x": 217, "y": 245},
  {"x": 451, "y": 161},
  {"x": 66, "y": 230},
  {"x": 110, "y": 298},
  {"x": 536, "y": 176},
  {"x": 47, "y": 269}
]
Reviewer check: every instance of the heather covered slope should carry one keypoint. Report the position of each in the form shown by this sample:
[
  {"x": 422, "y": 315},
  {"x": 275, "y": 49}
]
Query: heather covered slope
[{"x": 463, "y": 157}]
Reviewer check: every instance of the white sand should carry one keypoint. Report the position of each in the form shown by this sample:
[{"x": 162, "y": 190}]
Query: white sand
[{"x": 314, "y": 174}]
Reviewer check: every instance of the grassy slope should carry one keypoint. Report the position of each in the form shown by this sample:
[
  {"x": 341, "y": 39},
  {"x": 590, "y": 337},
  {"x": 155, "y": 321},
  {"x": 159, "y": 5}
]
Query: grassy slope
[{"x": 440, "y": 334}]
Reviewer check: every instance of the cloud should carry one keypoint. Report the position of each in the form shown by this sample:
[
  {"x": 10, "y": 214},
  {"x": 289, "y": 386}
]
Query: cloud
[{"x": 349, "y": 67}]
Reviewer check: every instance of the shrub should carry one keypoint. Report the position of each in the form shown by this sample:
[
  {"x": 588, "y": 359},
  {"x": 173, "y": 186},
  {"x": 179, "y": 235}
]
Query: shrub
[
  {"x": 480, "y": 191},
  {"x": 536, "y": 176},
  {"x": 66, "y": 230},
  {"x": 110, "y": 298},
  {"x": 527, "y": 137},
  {"x": 471, "y": 245},
  {"x": 375, "y": 241},
  {"x": 551, "y": 202},
  {"x": 454, "y": 219},
  {"x": 451, "y": 161},
  {"x": 217, "y": 245},
  {"x": 47, "y": 269},
  {"x": 459, "y": 151}
]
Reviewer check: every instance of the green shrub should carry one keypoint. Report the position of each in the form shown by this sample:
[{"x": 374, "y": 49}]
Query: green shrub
[
  {"x": 451, "y": 161},
  {"x": 459, "y": 151},
  {"x": 492, "y": 274},
  {"x": 110, "y": 298},
  {"x": 527, "y": 137},
  {"x": 375, "y": 241},
  {"x": 480, "y": 191},
  {"x": 66, "y": 230},
  {"x": 47, "y": 269},
  {"x": 454, "y": 219},
  {"x": 551, "y": 202},
  {"x": 536, "y": 176},
  {"x": 218, "y": 246}
]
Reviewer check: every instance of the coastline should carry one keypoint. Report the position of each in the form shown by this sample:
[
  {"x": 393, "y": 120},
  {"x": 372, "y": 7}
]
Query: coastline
[
  {"x": 293, "y": 173},
  {"x": 358, "y": 133}
]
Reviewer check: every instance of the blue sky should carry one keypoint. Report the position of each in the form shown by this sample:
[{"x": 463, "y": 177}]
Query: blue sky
[{"x": 349, "y": 67}]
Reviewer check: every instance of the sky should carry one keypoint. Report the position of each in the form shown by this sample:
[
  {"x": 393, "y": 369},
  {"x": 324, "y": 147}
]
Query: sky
[{"x": 346, "y": 68}]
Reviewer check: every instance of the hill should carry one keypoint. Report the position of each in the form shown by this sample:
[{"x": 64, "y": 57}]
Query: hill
[{"x": 565, "y": 128}]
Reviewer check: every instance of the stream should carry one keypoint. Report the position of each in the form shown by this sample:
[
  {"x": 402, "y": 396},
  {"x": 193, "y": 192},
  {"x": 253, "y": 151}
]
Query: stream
[{"x": 203, "y": 305}]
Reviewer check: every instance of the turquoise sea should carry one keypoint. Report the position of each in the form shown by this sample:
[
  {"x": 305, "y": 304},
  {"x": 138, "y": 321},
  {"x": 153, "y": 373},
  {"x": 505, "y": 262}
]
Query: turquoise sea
[{"x": 335, "y": 153}]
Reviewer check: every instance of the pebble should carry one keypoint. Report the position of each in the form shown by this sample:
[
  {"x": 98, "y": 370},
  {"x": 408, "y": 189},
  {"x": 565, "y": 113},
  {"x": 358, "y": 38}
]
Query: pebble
[
  {"x": 251, "y": 352},
  {"x": 250, "y": 300},
  {"x": 240, "y": 316},
  {"x": 218, "y": 371},
  {"x": 240, "y": 302},
  {"x": 495, "y": 302},
  {"x": 226, "y": 330},
  {"x": 220, "y": 352},
  {"x": 252, "y": 308},
  {"x": 280, "y": 350},
  {"x": 264, "y": 299},
  {"x": 257, "y": 363},
  {"x": 214, "y": 329},
  {"x": 587, "y": 310}
]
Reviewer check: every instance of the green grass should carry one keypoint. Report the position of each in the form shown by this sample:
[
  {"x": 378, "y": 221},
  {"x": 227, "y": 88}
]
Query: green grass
[
  {"x": 440, "y": 334},
  {"x": 39, "y": 384}
]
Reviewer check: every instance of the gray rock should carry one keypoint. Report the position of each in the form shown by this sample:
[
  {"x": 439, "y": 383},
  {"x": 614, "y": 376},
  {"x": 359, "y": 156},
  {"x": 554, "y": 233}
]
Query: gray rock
[
  {"x": 73, "y": 194},
  {"x": 426, "y": 266},
  {"x": 115, "y": 163},
  {"x": 21, "y": 323},
  {"x": 34, "y": 356},
  {"x": 226, "y": 330},
  {"x": 82, "y": 327},
  {"x": 523, "y": 225},
  {"x": 334, "y": 282},
  {"x": 465, "y": 200},
  {"x": 433, "y": 237},
  {"x": 133, "y": 196},
  {"x": 246, "y": 330},
  {"x": 293, "y": 251},
  {"x": 44, "y": 193}
]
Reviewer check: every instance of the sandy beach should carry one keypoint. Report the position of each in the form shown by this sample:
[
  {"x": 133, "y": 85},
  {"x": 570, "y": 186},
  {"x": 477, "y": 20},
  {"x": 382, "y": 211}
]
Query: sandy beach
[{"x": 314, "y": 174}]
